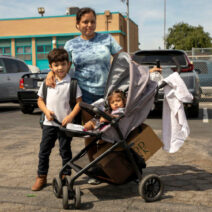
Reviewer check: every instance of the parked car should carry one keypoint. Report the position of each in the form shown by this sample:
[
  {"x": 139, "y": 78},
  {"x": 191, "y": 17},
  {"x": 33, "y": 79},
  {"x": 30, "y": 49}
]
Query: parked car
[
  {"x": 204, "y": 70},
  {"x": 168, "y": 60},
  {"x": 11, "y": 70},
  {"x": 28, "y": 89}
]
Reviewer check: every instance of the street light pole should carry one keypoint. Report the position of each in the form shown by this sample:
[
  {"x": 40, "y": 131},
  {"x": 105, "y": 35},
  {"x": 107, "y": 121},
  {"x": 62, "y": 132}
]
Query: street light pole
[
  {"x": 164, "y": 30},
  {"x": 128, "y": 28}
]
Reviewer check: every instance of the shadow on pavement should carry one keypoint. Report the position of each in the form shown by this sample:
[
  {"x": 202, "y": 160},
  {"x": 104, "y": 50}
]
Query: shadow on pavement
[
  {"x": 9, "y": 107},
  {"x": 183, "y": 177}
]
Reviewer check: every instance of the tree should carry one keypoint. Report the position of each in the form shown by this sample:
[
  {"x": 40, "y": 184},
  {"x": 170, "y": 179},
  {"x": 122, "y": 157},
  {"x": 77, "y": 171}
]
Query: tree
[{"x": 184, "y": 36}]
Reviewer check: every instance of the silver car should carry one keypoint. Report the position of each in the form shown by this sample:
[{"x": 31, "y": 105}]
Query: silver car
[{"x": 11, "y": 70}]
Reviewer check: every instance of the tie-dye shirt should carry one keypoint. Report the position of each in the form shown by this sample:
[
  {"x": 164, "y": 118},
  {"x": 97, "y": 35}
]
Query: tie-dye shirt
[{"x": 91, "y": 59}]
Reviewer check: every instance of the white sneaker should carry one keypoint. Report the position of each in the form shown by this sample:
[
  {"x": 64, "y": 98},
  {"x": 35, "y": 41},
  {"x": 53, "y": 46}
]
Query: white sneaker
[{"x": 93, "y": 181}]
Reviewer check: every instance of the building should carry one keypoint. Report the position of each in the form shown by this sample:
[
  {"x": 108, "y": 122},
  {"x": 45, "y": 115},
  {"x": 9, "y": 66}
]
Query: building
[{"x": 31, "y": 39}]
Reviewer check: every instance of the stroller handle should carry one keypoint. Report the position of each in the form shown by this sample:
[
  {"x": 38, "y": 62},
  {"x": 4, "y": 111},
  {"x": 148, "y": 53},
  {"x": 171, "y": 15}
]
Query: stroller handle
[{"x": 94, "y": 111}]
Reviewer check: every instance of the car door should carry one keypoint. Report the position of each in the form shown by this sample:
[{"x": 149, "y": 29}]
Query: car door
[
  {"x": 12, "y": 77},
  {"x": 3, "y": 82}
]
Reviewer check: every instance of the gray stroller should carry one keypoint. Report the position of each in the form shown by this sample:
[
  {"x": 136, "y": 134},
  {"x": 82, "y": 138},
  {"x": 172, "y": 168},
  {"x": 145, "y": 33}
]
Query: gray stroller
[{"x": 132, "y": 78}]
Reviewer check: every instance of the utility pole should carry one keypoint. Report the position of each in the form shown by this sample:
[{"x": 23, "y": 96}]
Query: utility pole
[
  {"x": 164, "y": 30},
  {"x": 128, "y": 26}
]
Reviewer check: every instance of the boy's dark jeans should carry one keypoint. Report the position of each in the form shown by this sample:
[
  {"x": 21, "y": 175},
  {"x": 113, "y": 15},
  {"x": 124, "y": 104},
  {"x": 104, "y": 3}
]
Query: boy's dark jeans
[{"x": 49, "y": 136}]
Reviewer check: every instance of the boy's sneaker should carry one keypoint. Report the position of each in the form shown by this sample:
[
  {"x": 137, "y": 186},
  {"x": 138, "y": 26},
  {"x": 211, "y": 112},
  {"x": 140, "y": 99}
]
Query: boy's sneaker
[{"x": 39, "y": 183}]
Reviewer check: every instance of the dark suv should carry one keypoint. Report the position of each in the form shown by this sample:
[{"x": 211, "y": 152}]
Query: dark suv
[
  {"x": 11, "y": 70},
  {"x": 169, "y": 60}
]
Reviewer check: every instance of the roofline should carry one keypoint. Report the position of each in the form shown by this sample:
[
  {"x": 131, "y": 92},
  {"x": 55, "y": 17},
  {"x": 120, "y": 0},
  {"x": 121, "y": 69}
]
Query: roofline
[
  {"x": 43, "y": 17},
  {"x": 58, "y": 35}
]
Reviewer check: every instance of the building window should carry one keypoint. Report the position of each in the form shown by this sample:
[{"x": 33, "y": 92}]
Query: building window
[
  {"x": 42, "y": 51},
  {"x": 62, "y": 40},
  {"x": 23, "y": 49},
  {"x": 5, "y": 51},
  {"x": 24, "y": 52},
  {"x": 5, "y": 47}
]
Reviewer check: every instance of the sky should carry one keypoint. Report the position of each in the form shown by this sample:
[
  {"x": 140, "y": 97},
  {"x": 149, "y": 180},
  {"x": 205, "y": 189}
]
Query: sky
[{"x": 147, "y": 14}]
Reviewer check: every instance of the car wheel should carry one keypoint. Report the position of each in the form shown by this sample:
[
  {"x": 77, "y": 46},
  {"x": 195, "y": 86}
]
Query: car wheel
[
  {"x": 27, "y": 109},
  {"x": 193, "y": 111}
]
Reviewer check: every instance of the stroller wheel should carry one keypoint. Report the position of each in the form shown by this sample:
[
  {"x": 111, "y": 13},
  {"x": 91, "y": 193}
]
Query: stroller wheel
[
  {"x": 77, "y": 197},
  {"x": 151, "y": 188},
  {"x": 65, "y": 197},
  {"x": 57, "y": 187}
]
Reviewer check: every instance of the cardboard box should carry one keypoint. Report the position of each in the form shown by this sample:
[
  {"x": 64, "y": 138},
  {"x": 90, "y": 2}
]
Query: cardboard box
[
  {"x": 115, "y": 165},
  {"x": 145, "y": 143}
]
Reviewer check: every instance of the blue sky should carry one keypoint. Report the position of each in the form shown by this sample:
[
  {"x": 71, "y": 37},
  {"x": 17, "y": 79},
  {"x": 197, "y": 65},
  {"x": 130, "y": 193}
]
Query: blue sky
[{"x": 147, "y": 14}]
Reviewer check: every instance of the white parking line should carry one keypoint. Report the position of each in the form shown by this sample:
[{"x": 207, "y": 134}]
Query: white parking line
[{"x": 205, "y": 115}]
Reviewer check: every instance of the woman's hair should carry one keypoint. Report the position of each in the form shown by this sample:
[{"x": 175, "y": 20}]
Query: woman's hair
[
  {"x": 82, "y": 12},
  {"x": 118, "y": 93},
  {"x": 58, "y": 55}
]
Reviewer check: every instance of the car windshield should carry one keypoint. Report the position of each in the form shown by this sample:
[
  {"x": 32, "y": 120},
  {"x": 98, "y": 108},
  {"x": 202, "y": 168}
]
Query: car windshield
[{"x": 166, "y": 59}]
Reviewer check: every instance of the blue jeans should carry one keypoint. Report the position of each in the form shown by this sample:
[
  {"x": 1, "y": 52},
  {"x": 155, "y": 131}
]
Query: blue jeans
[
  {"x": 49, "y": 136},
  {"x": 89, "y": 97}
]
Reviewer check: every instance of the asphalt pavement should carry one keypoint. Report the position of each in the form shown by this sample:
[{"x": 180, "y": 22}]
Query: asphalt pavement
[{"x": 187, "y": 174}]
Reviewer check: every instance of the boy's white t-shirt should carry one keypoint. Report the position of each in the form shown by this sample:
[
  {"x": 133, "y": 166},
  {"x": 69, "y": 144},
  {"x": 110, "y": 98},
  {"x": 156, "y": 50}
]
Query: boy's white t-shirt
[{"x": 57, "y": 99}]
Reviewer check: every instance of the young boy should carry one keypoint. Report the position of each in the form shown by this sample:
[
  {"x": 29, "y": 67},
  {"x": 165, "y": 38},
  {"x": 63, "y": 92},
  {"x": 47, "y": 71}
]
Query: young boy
[{"x": 56, "y": 105}]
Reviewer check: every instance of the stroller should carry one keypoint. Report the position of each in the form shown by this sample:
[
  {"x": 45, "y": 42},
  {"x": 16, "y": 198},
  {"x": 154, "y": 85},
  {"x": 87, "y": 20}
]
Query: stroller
[{"x": 132, "y": 78}]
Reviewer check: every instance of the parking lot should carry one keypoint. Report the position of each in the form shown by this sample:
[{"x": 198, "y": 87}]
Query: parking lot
[{"x": 187, "y": 174}]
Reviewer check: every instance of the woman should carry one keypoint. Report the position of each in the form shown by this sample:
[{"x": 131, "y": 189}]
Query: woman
[{"x": 91, "y": 54}]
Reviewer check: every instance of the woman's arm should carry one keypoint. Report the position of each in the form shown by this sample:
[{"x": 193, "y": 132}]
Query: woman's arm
[
  {"x": 50, "y": 79},
  {"x": 155, "y": 69}
]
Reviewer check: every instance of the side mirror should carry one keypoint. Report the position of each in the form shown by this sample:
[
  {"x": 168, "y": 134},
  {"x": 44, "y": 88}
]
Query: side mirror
[{"x": 1, "y": 69}]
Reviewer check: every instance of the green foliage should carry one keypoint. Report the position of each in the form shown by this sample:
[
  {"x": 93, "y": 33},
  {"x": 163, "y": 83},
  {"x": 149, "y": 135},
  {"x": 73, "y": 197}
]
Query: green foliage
[{"x": 184, "y": 36}]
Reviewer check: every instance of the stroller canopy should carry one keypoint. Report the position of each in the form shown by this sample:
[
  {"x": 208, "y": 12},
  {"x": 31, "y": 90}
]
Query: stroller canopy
[{"x": 127, "y": 75}]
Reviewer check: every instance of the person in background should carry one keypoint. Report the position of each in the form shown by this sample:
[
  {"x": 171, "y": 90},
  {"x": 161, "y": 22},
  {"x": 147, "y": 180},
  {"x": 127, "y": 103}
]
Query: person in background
[{"x": 56, "y": 105}]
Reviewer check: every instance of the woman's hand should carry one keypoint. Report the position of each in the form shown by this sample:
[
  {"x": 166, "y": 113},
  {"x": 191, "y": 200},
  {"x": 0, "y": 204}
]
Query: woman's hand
[
  {"x": 155, "y": 69},
  {"x": 50, "y": 79}
]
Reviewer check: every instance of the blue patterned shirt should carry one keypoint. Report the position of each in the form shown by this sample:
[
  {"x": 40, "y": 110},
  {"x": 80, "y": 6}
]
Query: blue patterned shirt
[{"x": 91, "y": 59}]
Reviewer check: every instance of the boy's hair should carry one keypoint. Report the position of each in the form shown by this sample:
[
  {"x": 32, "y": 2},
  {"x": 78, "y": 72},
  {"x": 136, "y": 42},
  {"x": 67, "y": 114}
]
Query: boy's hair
[
  {"x": 58, "y": 55},
  {"x": 119, "y": 93}
]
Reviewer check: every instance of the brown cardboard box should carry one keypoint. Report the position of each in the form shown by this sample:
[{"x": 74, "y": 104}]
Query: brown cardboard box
[
  {"x": 115, "y": 165},
  {"x": 146, "y": 142}
]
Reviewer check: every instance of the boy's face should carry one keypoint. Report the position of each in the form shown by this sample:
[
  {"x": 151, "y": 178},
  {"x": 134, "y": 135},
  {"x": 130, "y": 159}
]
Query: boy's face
[
  {"x": 116, "y": 102},
  {"x": 60, "y": 68}
]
